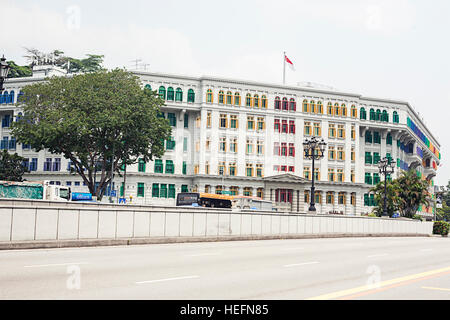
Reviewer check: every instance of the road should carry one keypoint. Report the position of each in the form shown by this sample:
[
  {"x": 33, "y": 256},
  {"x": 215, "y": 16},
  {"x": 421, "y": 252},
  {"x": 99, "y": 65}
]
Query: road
[{"x": 345, "y": 268}]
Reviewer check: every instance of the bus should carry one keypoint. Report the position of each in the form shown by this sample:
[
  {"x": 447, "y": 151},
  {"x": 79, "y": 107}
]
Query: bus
[
  {"x": 209, "y": 200},
  {"x": 193, "y": 199},
  {"x": 251, "y": 203}
]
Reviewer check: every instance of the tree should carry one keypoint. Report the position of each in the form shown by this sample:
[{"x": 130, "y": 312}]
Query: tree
[
  {"x": 101, "y": 119},
  {"x": 11, "y": 166},
  {"x": 92, "y": 63},
  {"x": 411, "y": 192},
  {"x": 391, "y": 201},
  {"x": 17, "y": 71},
  {"x": 446, "y": 195},
  {"x": 443, "y": 213}
]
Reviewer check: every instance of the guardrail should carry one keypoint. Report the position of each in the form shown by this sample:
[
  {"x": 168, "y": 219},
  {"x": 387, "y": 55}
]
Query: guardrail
[{"x": 35, "y": 223}]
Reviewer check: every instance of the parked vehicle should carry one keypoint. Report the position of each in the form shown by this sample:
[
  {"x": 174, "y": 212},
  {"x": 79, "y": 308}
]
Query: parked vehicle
[{"x": 34, "y": 190}]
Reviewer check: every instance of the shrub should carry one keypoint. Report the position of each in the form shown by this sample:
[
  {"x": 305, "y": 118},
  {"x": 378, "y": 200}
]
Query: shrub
[
  {"x": 441, "y": 227},
  {"x": 417, "y": 217},
  {"x": 372, "y": 214}
]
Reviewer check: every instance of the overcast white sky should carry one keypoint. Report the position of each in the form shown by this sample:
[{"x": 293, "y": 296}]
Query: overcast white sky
[{"x": 395, "y": 49}]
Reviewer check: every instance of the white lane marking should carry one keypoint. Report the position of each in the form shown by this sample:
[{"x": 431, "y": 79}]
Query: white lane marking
[
  {"x": 167, "y": 279},
  {"x": 55, "y": 264},
  {"x": 377, "y": 255},
  {"x": 300, "y": 264},
  {"x": 203, "y": 254}
]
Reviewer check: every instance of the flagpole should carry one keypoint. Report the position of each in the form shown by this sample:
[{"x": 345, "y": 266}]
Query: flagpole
[{"x": 284, "y": 67}]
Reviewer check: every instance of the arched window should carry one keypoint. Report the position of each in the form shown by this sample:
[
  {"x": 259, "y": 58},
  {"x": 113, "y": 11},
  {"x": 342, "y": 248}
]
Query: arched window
[
  {"x": 4, "y": 97},
  {"x": 19, "y": 116},
  {"x": 148, "y": 87},
  {"x": 179, "y": 95},
  {"x": 229, "y": 97},
  {"x": 191, "y": 96},
  {"x": 221, "y": 97},
  {"x": 330, "y": 109},
  {"x": 336, "y": 109},
  {"x": 354, "y": 111},
  {"x": 162, "y": 92},
  {"x": 248, "y": 100},
  {"x": 343, "y": 110},
  {"x": 292, "y": 104},
  {"x": 378, "y": 115},
  {"x": 237, "y": 99},
  {"x": 385, "y": 116},
  {"x": 372, "y": 114},
  {"x": 209, "y": 96},
  {"x": 305, "y": 106},
  {"x": 319, "y": 107},
  {"x": 395, "y": 117},
  {"x": 285, "y": 103},
  {"x": 20, "y": 96},
  {"x": 256, "y": 101},
  {"x": 312, "y": 106},
  {"x": 264, "y": 102},
  {"x": 11, "y": 97},
  {"x": 277, "y": 104},
  {"x": 362, "y": 114},
  {"x": 170, "y": 94}
]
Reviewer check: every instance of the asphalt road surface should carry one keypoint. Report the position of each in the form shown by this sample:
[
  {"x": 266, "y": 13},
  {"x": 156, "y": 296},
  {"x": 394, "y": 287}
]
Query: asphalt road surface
[{"x": 347, "y": 268}]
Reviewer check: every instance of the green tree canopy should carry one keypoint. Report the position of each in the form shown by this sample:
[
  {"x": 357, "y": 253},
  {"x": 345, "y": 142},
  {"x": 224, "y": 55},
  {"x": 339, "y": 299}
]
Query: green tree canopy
[
  {"x": 92, "y": 63},
  {"x": 11, "y": 166},
  {"x": 404, "y": 194},
  {"x": 391, "y": 200},
  {"x": 93, "y": 118},
  {"x": 411, "y": 192}
]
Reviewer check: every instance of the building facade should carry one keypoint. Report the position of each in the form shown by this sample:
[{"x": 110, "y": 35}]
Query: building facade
[{"x": 245, "y": 137}]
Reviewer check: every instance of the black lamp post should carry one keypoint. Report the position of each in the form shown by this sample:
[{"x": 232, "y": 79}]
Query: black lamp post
[
  {"x": 314, "y": 150},
  {"x": 386, "y": 167},
  {"x": 4, "y": 70}
]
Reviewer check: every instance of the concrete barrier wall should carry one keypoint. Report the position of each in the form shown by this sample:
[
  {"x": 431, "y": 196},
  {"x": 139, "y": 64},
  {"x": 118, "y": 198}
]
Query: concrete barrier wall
[{"x": 59, "y": 223}]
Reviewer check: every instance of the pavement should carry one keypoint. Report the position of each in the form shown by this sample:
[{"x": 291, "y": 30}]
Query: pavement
[{"x": 329, "y": 268}]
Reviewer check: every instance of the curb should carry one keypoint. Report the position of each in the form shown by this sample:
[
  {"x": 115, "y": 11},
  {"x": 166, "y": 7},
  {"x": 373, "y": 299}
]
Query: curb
[{"x": 164, "y": 240}]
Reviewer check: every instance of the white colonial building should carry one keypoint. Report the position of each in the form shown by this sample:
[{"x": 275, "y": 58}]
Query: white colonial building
[{"x": 245, "y": 137}]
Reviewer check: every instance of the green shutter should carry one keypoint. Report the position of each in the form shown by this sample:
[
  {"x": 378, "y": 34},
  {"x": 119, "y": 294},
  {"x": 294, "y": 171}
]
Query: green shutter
[
  {"x": 140, "y": 189},
  {"x": 155, "y": 190},
  {"x": 141, "y": 165},
  {"x": 184, "y": 188},
  {"x": 158, "y": 166},
  {"x": 184, "y": 167},
  {"x": 186, "y": 120},
  {"x": 172, "y": 119},
  {"x": 163, "y": 191},
  {"x": 191, "y": 95},
  {"x": 172, "y": 191},
  {"x": 169, "y": 166}
]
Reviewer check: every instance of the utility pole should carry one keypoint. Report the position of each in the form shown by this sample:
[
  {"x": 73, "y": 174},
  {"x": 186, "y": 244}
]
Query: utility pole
[
  {"x": 136, "y": 61},
  {"x": 112, "y": 176}
]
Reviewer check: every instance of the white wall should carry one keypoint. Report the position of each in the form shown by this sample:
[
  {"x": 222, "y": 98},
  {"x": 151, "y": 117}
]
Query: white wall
[{"x": 53, "y": 223}]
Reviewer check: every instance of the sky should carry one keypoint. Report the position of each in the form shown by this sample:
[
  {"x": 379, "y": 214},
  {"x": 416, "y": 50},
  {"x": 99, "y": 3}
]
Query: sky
[{"x": 394, "y": 49}]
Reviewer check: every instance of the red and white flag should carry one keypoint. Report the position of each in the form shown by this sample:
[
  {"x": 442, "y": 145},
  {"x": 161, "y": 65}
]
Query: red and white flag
[{"x": 289, "y": 62}]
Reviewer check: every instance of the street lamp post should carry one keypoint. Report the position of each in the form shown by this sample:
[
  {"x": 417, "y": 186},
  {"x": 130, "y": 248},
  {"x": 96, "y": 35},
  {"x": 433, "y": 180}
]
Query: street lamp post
[
  {"x": 314, "y": 150},
  {"x": 386, "y": 167},
  {"x": 4, "y": 70}
]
